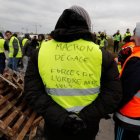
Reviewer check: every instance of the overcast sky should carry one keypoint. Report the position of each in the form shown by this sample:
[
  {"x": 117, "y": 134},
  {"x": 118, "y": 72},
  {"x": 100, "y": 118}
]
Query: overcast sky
[{"x": 42, "y": 15}]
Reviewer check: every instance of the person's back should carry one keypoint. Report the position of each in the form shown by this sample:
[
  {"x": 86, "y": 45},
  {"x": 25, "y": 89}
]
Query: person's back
[
  {"x": 70, "y": 81},
  {"x": 127, "y": 118}
]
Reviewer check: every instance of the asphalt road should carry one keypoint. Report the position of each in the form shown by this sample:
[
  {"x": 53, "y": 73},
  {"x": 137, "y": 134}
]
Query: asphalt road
[{"x": 106, "y": 131}]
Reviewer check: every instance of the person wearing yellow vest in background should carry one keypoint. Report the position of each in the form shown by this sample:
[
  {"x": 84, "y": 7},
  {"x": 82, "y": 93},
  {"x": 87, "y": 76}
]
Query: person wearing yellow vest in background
[
  {"x": 127, "y": 118},
  {"x": 70, "y": 81},
  {"x": 3, "y": 47},
  {"x": 98, "y": 38},
  {"x": 126, "y": 34},
  {"x": 14, "y": 51},
  {"x": 26, "y": 50},
  {"x": 103, "y": 41},
  {"x": 117, "y": 39}
]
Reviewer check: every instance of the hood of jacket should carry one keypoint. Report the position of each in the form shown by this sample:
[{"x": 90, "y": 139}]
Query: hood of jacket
[{"x": 70, "y": 27}]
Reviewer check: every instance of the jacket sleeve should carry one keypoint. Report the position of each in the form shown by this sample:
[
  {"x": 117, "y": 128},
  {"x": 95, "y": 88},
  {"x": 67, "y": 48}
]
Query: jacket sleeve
[
  {"x": 130, "y": 79},
  {"x": 6, "y": 47},
  {"x": 16, "y": 47},
  {"x": 38, "y": 99},
  {"x": 110, "y": 91}
]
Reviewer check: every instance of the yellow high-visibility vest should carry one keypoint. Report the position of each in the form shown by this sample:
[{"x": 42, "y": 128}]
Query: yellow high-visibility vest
[
  {"x": 117, "y": 37},
  {"x": 2, "y": 41},
  {"x": 71, "y": 72},
  {"x": 11, "y": 49},
  {"x": 102, "y": 43},
  {"x": 24, "y": 41}
]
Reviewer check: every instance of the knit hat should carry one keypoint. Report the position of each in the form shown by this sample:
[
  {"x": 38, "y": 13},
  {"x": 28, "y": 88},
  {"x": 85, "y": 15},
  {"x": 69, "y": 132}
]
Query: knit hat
[{"x": 82, "y": 12}]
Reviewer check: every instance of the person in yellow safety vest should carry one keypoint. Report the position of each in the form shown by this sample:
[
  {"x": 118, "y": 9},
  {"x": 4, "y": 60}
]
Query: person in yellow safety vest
[
  {"x": 126, "y": 34},
  {"x": 103, "y": 41},
  {"x": 14, "y": 51},
  {"x": 26, "y": 50},
  {"x": 127, "y": 117},
  {"x": 98, "y": 37},
  {"x": 41, "y": 39},
  {"x": 70, "y": 81},
  {"x": 117, "y": 39},
  {"x": 3, "y": 47}
]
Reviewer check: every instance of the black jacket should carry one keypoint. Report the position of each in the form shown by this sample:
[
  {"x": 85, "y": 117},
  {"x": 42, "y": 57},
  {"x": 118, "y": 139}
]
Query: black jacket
[
  {"x": 131, "y": 84},
  {"x": 54, "y": 115}
]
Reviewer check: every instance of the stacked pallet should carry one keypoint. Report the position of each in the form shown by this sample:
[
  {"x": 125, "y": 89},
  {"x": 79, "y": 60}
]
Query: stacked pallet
[{"x": 16, "y": 118}]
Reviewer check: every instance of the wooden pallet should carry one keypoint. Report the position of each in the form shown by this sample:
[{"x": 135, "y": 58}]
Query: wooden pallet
[{"x": 16, "y": 119}]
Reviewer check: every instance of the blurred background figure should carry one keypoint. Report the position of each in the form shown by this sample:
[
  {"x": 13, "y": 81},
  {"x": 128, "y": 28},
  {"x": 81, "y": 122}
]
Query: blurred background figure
[
  {"x": 14, "y": 51},
  {"x": 3, "y": 47},
  {"x": 26, "y": 50},
  {"x": 41, "y": 39},
  {"x": 117, "y": 40},
  {"x": 103, "y": 41},
  {"x": 98, "y": 38},
  {"x": 126, "y": 34}
]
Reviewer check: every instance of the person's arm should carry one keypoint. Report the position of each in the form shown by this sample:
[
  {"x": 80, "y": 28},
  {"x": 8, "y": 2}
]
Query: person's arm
[
  {"x": 6, "y": 47},
  {"x": 16, "y": 47},
  {"x": 110, "y": 92},
  {"x": 130, "y": 79},
  {"x": 37, "y": 98}
]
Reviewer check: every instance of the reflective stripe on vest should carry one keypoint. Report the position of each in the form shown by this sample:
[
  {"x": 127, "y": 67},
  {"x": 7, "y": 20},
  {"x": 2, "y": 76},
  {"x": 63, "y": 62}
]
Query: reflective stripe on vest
[
  {"x": 2, "y": 41},
  {"x": 24, "y": 41},
  {"x": 11, "y": 48},
  {"x": 127, "y": 120},
  {"x": 72, "y": 92},
  {"x": 132, "y": 108},
  {"x": 71, "y": 72}
]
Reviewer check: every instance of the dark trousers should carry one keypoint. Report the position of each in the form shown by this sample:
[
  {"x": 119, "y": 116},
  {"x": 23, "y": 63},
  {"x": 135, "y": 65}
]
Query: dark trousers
[
  {"x": 2, "y": 62},
  {"x": 125, "y": 134},
  {"x": 116, "y": 46},
  {"x": 13, "y": 63},
  {"x": 57, "y": 134}
]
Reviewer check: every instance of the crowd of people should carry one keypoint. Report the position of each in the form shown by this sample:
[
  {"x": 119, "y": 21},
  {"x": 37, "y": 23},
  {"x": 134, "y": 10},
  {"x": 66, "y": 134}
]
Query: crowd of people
[
  {"x": 18, "y": 49},
  {"x": 73, "y": 95}
]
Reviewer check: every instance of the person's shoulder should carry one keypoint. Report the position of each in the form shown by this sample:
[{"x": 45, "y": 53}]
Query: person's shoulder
[{"x": 107, "y": 58}]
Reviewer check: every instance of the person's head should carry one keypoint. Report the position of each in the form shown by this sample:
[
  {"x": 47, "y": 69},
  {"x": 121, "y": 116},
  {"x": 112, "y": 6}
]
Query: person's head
[
  {"x": 49, "y": 37},
  {"x": 118, "y": 31},
  {"x": 41, "y": 37},
  {"x": 136, "y": 36},
  {"x": 127, "y": 30},
  {"x": 72, "y": 25},
  {"x": 34, "y": 38},
  {"x": 27, "y": 36},
  {"x": 8, "y": 34},
  {"x": 74, "y": 17}
]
